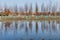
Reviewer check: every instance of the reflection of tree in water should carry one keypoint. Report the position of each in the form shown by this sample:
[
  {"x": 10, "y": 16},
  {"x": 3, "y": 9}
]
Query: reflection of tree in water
[
  {"x": 49, "y": 27},
  {"x": 36, "y": 27},
  {"x": 26, "y": 27},
  {"x": 30, "y": 26},
  {"x": 16, "y": 25},
  {"x": 22, "y": 25},
  {"x": 7, "y": 25},
  {"x": 42, "y": 26},
  {"x": 49, "y": 22},
  {"x": 46, "y": 25},
  {"x": 15, "y": 28},
  {"x": 2, "y": 25},
  {"x": 59, "y": 26},
  {"x": 58, "y": 22},
  {"x": 53, "y": 27}
]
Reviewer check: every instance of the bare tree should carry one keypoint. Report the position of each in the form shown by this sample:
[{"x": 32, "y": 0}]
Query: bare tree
[
  {"x": 21, "y": 11},
  {"x": 42, "y": 7},
  {"x": 36, "y": 10},
  {"x": 50, "y": 5},
  {"x": 30, "y": 10},
  {"x": 16, "y": 9},
  {"x": 59, "y": 8},
  {"x": 26, "y": 9},
  {"x": 6, "y": 10},
  {"x": 0, "y": 8},
  {"x": 46, "y": 8},
  {"x": 54, "y": 7}
]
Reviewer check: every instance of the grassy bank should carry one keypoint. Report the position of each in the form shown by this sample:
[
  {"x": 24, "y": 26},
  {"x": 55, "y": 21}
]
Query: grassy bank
[{"x": 29, "y": 18}]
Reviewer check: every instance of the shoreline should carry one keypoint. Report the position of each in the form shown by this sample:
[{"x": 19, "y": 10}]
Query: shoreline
[{"x": 2, "y": 18}]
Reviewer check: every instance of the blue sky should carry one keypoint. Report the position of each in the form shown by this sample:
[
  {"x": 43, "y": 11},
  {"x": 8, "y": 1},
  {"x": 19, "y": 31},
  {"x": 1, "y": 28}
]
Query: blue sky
[{"x": 23, "y": 2}]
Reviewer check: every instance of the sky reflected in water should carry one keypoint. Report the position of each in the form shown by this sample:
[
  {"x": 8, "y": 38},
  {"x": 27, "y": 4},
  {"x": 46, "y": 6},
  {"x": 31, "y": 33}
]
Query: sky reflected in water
[{"x": 30, "y": 30}]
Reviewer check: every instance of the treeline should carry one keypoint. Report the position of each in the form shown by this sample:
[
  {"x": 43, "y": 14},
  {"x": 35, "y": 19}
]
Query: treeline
[{"x": 45, "y": 10}]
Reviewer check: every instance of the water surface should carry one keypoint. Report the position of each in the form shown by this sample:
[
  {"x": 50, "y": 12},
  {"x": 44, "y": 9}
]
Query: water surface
[{"x": 30, "y": 30}]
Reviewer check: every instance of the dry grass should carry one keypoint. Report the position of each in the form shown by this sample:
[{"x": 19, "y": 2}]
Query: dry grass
[{"x": 27, "y": 18}]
